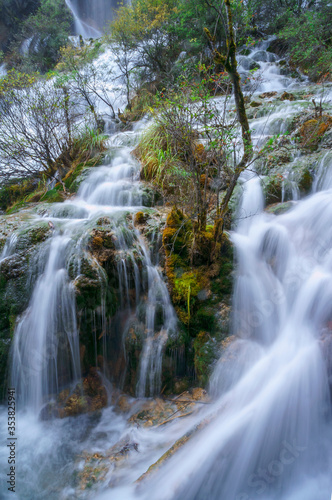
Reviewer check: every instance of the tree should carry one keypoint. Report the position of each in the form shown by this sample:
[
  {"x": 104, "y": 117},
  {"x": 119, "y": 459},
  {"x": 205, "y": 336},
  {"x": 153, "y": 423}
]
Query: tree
[
  {"x": 230, "y": 64},
  {"x": 36, "y": 130},
  {"x": 190, "y": 160},
  {"x": 144, "y": 29},
  {"x": 83, "y": 79}
]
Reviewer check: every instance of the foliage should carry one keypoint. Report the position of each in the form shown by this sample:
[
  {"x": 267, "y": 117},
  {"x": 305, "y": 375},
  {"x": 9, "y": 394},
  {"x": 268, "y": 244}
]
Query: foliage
[
  {"x": 16, "y": 80},
  {"x": 142, "y": 32},
  {"x": 45, "y": 32},
  {"x": 309, "y": 38},
  {"x": 173, "y": 152},
  {"x": 12, "y": 12}
]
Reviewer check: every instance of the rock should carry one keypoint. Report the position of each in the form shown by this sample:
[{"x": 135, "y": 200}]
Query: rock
[
  {"x": 255, "y": 104},
  {"x": 88, "y": 396},
  {"x": 267, "y": 95},
  {"x": 312, "y": 131},
  {"x": 280, "y": 208},
  {"x": 287, "y": 96},
  {"x": 141, "y": 218},
  {"x": 248, "y": 63},
  {"x": 272, "y": 188},
  {"x": 260, "y": 56}
]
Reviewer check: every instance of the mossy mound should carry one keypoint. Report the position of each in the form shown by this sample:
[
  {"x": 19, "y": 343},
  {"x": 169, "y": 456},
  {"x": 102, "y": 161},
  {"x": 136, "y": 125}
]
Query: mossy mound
[
  {"x": 199, "y": 272},
  {"x": 313, "y": 130},
  {"x": 88, "y": 396},
  {"x": 272, "y": 188}
]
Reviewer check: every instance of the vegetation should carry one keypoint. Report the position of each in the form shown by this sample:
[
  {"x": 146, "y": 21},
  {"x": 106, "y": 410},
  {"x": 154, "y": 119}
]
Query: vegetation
[{"x": 36, "y": 46}]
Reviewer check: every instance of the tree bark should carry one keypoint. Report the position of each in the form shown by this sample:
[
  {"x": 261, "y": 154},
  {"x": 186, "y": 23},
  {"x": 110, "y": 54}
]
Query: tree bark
[{"x": 230, "y": 64}]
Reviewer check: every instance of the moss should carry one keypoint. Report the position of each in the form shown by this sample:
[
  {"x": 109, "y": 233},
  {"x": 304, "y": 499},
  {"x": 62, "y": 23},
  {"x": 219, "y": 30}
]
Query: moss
[
  {"x": 305, "y": 182},
  {"x": 16, "y": 192},
  {"x": 54, "y": 195},
  {"x": 188, "y": 286},
  {"x": 255, "y": 104},
  {"x": 141, "y": 218},
  {"x": 206, "y": 353},
  {"x": 312, "y": 131},
  {"x": 280, "y": 208},
  {"x": 205, "y": 318},
  {"x": 4, "y": 353},
  {"x": 287, "y": 96},
  {"x": 272, "y": 188},
  {"x": 38, "y": 234}
]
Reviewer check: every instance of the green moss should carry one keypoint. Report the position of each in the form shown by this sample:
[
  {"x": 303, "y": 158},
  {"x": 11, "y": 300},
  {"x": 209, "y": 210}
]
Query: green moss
[
  {"x": 54, "y": 195},
  {"x": 206, "y": 352},
  {"x": 272, "y": 188},
  {"x": 188, "y": 286},
  {"x": 305, "y": 182},
  {"x": 205, "y": 318},
  {"x": 280, "y": 208}
]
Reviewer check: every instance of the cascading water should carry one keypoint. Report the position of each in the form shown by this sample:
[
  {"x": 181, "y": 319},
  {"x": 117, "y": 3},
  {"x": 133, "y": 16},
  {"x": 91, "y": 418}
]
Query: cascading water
[
  {"x": 46, "y": 347},
  {"x": 91, "y": 17},
  {"x": 267, "y": 431}
]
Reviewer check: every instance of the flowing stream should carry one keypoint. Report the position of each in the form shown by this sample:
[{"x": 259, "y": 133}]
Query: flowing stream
[{"x": 267, "y": 432}]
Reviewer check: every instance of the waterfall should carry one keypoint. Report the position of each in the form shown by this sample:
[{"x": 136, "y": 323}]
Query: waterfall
[
  {"x": 46, "y": 346},
  {"x": 265, "y": 433},
  {"x": 269, "y": 430},
  {"x": 91, "y": 17},
  {"x": 46, "y": 353}
]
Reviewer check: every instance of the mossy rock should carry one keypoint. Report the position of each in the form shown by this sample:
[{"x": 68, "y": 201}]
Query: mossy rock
[
  {"x": 280, "y": 208},
  {"x": 31, "y": 236},
  {"x": 313, "y": 130},
  {"x": 305, "y": 181},
  {"x": 188, "y": 286},
  {"x": 255, "y": 104},
  {"x": 141, "y": 218},
  {"x": 206, "y": 353},
  {"x": 4, "y": 354},
  {"x": 287, "y": 96},
  {"x": 175, "y": 234},
  {"x": 272, "y": 188},
  {"x": 55, "y": 195}
]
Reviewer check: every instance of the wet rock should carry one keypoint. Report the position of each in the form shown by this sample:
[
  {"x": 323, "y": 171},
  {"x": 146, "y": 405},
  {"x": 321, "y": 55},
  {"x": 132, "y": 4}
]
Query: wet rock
[
  {"x": 159, "y": 411},
  {"x": 141, "y": 218},
  {"x": 312, "y": 131},
  {"x": 287, "y": 96},
  {"x": 255, "y": 104},
  {"x": 267, "y": 95},
  {"x": 88, "y": 396},
  {"x": 248, "y": 63},
  {"x": 272, "y": 188},
  {"x": 280, "y": 208},
  {"x": 260, "y": 56}
]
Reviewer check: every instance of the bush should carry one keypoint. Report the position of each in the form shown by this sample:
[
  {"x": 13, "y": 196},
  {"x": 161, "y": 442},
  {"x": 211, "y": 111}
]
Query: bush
[{"x": 309, "y": 41}]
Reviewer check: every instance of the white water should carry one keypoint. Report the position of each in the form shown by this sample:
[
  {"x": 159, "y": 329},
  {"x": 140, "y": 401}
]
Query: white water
[
  {"x": 82, "y": 28},
  {"x": 90, "y": 18},
  {"x": 268, "y": 430},
  {"x": 268, "y": 433}
]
